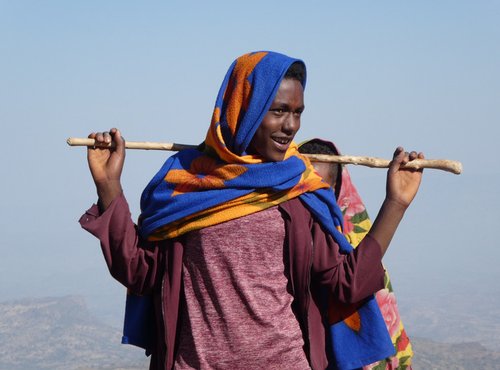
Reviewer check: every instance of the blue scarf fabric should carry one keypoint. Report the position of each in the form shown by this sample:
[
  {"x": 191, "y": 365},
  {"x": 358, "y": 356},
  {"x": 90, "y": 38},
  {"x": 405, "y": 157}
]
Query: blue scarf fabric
[{"x": 221, "y": 181}]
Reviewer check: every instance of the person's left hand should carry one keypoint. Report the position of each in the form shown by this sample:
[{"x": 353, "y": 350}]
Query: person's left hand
[{"x": 403, "y": 184}]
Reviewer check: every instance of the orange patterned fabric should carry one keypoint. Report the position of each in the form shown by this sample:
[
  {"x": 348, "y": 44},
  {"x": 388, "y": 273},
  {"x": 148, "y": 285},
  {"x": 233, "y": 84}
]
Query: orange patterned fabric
[{"x": 221, "y": 182}]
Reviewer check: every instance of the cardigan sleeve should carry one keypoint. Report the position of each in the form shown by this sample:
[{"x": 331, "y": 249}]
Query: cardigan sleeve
[
  {"x": 351, "y": 277},
  {"x": 131, "y": 260}
]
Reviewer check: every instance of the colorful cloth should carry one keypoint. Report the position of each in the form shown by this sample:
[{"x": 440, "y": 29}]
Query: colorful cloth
[
  {"x": 356, "y": 225},
  {"x": 221, "y": 181},
  {"x": 200, "y": 188}
]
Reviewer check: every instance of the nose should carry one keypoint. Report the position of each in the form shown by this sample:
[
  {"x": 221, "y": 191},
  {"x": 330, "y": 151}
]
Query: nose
[{"x": 291, "y": 123}]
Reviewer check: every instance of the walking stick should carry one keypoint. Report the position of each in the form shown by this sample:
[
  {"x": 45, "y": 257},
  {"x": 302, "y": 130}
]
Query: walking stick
[{"x": 438, "y": 164}]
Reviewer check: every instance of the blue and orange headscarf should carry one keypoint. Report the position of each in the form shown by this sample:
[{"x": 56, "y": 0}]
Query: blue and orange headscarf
[
  {"x": 199, "y": 188},
  {"x": 220, "y": 181}
]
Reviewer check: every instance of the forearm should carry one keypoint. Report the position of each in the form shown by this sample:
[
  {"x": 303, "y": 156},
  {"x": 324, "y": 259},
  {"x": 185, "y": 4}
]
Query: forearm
[
  {"x": 351, "y": 277},
  {"x": 107, "y": 192},
  {"x": 387, "y": 221},
  {"x": 401, "y": 188}
]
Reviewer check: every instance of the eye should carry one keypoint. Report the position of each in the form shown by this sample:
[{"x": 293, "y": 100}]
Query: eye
[{"x": 277, "y": 111}]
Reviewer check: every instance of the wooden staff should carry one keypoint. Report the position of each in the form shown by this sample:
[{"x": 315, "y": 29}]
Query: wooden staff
[{"x": 438, "y": 164}]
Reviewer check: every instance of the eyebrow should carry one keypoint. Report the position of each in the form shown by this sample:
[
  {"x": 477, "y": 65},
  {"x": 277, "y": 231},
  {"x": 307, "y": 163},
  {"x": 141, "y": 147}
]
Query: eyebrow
[{"x": 284, "y": 105}]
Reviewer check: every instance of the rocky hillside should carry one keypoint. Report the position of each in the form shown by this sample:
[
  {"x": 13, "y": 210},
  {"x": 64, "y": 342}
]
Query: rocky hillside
[
  {"x": 459, "y": 356},
  {"x": 60, "y": 333}
]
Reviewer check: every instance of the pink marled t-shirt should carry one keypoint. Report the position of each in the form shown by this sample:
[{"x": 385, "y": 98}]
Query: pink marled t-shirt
[{"x": 237, "y": 312}]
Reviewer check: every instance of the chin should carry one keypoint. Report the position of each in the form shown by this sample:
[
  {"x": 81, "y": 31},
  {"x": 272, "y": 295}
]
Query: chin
[{"x": 276, "y": 158}]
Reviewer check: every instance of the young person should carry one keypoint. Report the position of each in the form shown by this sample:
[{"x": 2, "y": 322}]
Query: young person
[
  {"x": 239, "y": 239},
  {"x": 356, "y": 225}
]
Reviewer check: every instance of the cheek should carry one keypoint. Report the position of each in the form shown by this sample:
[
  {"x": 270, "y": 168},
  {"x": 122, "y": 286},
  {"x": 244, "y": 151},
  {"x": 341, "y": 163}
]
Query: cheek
[
  {"x": 258, "y": 141},
  {"x": 264, "y": 131},
  {"x": 269, "y": 124}
]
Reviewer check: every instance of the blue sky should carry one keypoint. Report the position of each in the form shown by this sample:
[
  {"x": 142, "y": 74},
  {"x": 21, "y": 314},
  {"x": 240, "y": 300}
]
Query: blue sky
[{"x": 422, "y": 74}]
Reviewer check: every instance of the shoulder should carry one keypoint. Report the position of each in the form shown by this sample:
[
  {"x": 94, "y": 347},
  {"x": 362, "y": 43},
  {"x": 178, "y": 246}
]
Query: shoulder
[
  {"x": 295, "y": 211},
  {"x": 294, "y": 206}
]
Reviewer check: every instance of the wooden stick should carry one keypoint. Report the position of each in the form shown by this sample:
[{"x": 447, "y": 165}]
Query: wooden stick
[
  {"x": 438, "y": 164},
  {"x": 145, "y": 145}
]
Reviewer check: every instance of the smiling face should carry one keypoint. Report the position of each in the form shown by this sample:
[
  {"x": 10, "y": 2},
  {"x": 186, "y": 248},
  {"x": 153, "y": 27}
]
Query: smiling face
[{"x": 281, "y": 122}]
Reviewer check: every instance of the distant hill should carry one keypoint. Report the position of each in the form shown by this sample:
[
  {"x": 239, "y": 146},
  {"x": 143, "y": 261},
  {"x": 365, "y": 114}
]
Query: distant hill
[
  {"x": 60, "y": 333},
  {"x": 454, "y": 317},
  {"x": 430, "y": 355}
]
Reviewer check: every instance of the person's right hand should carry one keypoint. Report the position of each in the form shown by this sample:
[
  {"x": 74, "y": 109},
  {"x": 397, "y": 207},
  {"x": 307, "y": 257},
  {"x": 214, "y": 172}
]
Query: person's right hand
[{"x": 106, "y": 165}]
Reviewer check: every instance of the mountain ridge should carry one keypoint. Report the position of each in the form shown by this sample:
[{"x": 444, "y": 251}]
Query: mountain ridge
[{"x": 61, "y": 333}]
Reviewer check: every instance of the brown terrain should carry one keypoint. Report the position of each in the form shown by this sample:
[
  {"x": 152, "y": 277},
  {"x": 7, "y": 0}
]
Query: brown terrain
[{"x": 61, "y": 333}]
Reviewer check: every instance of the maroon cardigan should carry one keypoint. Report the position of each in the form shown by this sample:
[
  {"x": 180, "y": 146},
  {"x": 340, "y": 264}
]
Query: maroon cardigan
[{"x": 314, "y": 264}]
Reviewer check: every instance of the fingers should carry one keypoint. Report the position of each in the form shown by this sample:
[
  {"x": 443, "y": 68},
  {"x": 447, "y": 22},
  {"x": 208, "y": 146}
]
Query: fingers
[
  {"x": 409, "y": 156},
  {"x": 118, "y": 139},
  {"x": 402, "y": 157},
  {"x": 106, "y": 138},
  {"x": 103, "y": 137},
  {"x": 397, "y": 159},
  {"x": 398, "y": 151}
]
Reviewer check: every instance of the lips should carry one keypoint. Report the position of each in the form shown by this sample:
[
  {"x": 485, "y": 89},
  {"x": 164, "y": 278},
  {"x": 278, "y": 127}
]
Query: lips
[{"x": 282, "y": 143}]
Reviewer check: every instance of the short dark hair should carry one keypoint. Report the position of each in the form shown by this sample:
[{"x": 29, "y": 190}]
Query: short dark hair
[
  {"x": 317, "y": 147},
  {"x": 297, "y": 71}
]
